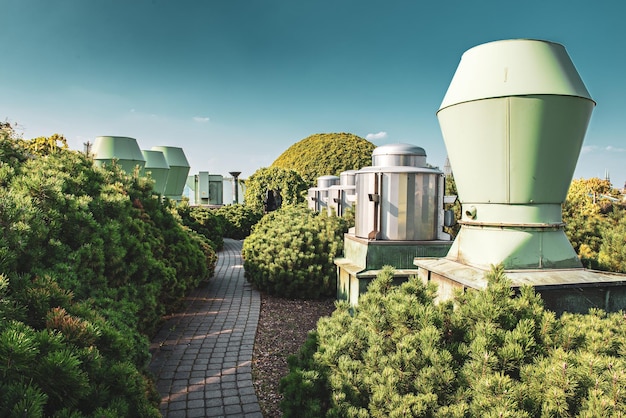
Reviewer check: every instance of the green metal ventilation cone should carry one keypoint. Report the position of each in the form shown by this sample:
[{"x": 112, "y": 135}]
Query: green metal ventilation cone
[
  {"x": 125, "y": 150},
  {"x": 179, "y": 169},
  {"x": 513, "y": 121},
  {"x": 158, "y": 168}
]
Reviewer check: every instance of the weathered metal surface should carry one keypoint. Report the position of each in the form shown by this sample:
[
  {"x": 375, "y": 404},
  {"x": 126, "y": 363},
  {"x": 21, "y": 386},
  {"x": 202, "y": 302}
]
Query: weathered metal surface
[
  {"x": 473, "y": 277},
  {"x": 340, "y": 199},
  {"x": 363, "y": 259},
  {"x": 399, "y": 203},
  {"x": 373, "y": 255},
  {"x": 563, "y": 290}
]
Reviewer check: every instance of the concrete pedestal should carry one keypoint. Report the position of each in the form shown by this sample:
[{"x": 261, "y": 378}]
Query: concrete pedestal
[
  {"x": 563, "y": 290},
  {"x": 363, "y": 259}
]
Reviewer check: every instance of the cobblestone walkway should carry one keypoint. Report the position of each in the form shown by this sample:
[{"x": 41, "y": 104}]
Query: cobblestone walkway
[{"x": 202, "y": 356}]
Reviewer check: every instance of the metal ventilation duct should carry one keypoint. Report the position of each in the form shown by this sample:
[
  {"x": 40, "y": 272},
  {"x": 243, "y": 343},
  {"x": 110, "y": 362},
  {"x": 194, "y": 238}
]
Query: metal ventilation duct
[
  {"x": 399, "y": 203},
  {"x": 394, "y": 155},
  {"x": 399, "y": 198},
  {"x": 158, "y": 168},
  {"x": 123, "y": 149},
  {"x": 513, "y": 121},
  {"x": 179, "y": 169},
  {"x": 347, "y": 178}
]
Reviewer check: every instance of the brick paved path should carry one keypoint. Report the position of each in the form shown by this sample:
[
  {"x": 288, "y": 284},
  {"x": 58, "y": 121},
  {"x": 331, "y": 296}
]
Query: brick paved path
[{"x": 202, "y": 356}]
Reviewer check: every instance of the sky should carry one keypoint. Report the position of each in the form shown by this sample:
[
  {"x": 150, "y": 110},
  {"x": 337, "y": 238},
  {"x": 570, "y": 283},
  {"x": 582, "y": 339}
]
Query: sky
[{"x": 237, "y": 82}]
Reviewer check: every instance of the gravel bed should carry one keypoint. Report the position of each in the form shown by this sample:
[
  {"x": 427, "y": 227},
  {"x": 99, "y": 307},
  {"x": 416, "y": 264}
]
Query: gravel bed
[{"x": 282, "y": 329}]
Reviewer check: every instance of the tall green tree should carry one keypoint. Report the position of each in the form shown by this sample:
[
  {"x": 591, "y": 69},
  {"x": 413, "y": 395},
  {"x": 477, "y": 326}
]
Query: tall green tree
[{"x": 586, "y": 213}]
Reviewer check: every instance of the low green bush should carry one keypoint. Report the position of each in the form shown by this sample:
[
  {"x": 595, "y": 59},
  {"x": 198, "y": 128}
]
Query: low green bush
[
  {"x": 204, "y": 221},
  {"x": 290, "y": 252},
  {"x": 238, "y": 220},
  {"x": 486, "y": 353}
]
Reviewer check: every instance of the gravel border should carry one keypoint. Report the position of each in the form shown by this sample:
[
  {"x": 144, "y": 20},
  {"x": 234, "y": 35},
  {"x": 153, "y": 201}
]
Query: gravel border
[{"x": 282, "y": 330}]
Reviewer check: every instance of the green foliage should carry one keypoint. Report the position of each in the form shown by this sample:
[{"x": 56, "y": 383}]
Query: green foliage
[
  {"x": 486, "y": 353},
  {"x": 238, "y": 220},
  {"x": 612, "y": 253},
  {"x": 455, "y": 207},
  {"x": 91, "y": 260},
  {"x": 286, "y": 181},
  {"x": 590, "y": 219},
  {"x": 204, "y": 221},
  {"x": 326, "y": 154},
  {"x": 291, "y": 251}
]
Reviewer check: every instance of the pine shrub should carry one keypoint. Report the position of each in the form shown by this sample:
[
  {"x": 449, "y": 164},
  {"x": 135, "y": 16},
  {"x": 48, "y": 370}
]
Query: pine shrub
[
  {"x": 238, "y": 220},
  {"x": 204, "y": 221},
  {"x": 486, "y": 353},
  {"x": 291, "y": 252},
  {"x": 90, "y": 261}
]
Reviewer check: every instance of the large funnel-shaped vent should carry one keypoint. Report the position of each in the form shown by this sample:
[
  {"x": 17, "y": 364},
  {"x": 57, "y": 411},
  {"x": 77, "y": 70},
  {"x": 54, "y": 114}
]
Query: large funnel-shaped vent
[
  {"x": 158, "y": 168},
  {"x": 513, "y": 121},
  {"x": 179, "y": 169},
  {"x": 124, "y": 150}
]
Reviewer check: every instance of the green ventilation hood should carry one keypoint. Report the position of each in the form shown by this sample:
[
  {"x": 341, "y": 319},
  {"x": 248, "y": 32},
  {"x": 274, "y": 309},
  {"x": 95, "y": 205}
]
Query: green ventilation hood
[
  {"x": 123, "y": 149},
  {"x": 179, "y": 170},
  {"x": 513, "y": 122},
  {"x": 158, "y": 168}
]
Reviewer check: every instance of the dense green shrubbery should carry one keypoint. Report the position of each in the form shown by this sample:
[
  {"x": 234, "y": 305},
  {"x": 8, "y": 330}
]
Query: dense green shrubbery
[
  {"x": 90, "y": 260},
  {"x": 484, "y": 354},
  {"x": 204, "y": 221},
  {"x": 326, "y": 154},
  {"x": 291, "y": 251},
  {"x": 238, "y": 220},
  {"x": 288, "y": 183}
]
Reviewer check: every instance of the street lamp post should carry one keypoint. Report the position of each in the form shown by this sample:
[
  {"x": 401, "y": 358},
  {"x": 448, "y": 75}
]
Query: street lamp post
[{"x": 235, "y": 175}]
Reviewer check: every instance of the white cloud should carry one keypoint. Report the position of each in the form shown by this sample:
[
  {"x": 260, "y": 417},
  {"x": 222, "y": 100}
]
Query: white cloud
[
  {"x": 201, "y": 119},
  {"x": 588, "y": 149},
  {"x": 377, "y": 136}
]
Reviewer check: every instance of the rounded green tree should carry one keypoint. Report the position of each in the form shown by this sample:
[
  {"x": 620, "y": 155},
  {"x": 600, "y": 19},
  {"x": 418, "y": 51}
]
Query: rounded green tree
[
  {"x": 326, "y": 154},
  {"x": 274, "y": 181}
]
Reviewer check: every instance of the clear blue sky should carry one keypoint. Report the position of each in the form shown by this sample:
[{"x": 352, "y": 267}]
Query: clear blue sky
[{"x": 236, "y": 82}]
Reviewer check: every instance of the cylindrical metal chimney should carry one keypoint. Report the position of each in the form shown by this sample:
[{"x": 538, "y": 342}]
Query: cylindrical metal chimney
[
  {"x": 513, "y": 121},
  {"x": 235, "y": 175},
  {"x": 396, "y": 155}
]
